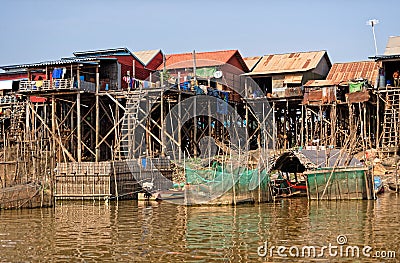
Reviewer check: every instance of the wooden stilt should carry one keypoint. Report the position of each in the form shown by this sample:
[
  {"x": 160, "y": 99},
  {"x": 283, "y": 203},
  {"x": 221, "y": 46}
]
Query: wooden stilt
[
  {"x": 179, "y": 119},
  {"x": 79, "y": 120},
  {"x": 97, "y": 149}
]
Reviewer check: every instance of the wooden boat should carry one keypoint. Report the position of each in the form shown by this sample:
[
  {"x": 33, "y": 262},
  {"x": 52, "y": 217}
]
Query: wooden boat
[
  {"x": 392, "y": 186},
  {"x": 290, "y": 181},
  {"x": 147, "y": 197},
  {"x": 283, "y": 187},
  {"x": 171, "y": 195},
  {"x": 378, "y": 185},
  {"x": 166, "y": 195}
]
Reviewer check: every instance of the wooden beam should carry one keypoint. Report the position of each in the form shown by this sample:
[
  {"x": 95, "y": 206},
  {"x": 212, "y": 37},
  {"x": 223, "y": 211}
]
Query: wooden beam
[
  {"x": 179, "y": 118},
  {"x": 162, "y": 131},
  {"x": 116, "y": 101},
  {"x": 160, "y": 127},
  {"x": 97, "y": 130},
  {"x": 78, "y": 118},
  {"x": 57, "y": 139}
]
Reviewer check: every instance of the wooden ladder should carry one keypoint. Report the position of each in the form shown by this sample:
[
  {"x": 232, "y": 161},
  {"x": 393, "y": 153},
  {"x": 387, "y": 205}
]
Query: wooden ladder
[
  {"x": 129, "y": 124},
  {"x": 390, "y": 133}
]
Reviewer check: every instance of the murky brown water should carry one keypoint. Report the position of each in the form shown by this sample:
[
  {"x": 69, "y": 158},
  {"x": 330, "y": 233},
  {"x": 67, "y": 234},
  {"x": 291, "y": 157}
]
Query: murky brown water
[{"x": 161, "y": 232}]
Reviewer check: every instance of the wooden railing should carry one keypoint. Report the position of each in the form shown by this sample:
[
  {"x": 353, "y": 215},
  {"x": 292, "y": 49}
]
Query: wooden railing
[{"x": 46, "y": 85}]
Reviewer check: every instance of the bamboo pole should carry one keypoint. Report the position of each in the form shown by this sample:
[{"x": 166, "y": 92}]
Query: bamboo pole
[
  {"x": 72, "y": 124},
  {"x": 162, "y": 114},
  {"x": 285, "y": 135},
  {"x": 116, "y": 133},
  {"x": 377, "y": 123},
  {"x": 302, "y": 126},
  {"x": 148, "y": 132},
  {"x": 97, "y": 146},
  {"x": 27, "y": 138},
  {"x": 247, "y": 125},
  {"x": 321, "y": 127},
  {"x": 333, "y": 125},
  {"x": 273, "y": 127},
  {"x": 209, "y": 118},
  {"x": 396, "y": 175},
  {"x": 32, "y": 142},
  {"x": 195, "y": 127},
  {"x": 179, "y": 118},
  {"x": 78, "y": 119}
]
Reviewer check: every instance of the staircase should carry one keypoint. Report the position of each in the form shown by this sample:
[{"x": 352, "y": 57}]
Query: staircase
[
  {"x": 130, "y": 121},
  {"x": 390, "y": 133}
]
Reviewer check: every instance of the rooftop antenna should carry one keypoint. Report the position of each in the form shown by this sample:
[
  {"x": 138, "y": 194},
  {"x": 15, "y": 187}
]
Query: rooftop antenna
[{"x": 372, "y": 23}]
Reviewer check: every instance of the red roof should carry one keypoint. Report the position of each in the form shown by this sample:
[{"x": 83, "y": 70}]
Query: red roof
[
  {"x": 353, "y": 70},
  {"x": 203, "y": 59}
]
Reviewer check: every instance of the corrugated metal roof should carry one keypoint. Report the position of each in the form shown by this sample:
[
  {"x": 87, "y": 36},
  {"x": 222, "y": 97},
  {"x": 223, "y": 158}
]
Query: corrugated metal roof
[
  {"x": 146, "y": 56},
  {"x": 203, "y": 59},
  {"x": 107, "y": 52},
  {"x": 319, "y": 83},
  {"x": 251, "y": 62},
  {"x": 102, "y": 52},
  {"x": 352, "y": 70},
  {"x": 56, "y": 62},
  {"x": 289, "y": 62},
  {"x": 393, "y": 46},
  {"x": 385, "y": 57}
]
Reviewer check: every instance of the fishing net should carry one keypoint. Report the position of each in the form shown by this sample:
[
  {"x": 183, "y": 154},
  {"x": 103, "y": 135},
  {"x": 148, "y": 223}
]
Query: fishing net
[{"x": 210, "y": 183}]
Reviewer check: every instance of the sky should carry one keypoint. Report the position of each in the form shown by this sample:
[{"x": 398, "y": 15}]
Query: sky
[{"x": 41, "y": 30}]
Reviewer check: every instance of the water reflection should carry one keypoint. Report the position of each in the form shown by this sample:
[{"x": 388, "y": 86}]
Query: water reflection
[{"x": 162, "y": 232}]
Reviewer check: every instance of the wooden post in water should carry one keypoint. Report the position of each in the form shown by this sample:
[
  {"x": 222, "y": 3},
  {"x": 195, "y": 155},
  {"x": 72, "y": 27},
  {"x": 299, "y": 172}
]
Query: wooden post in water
[
  {"x": 72, "y": 121},
  {"x": 117, "y": 142},
  {"x": 274, "y": 135},
  {"x": 162, "y": 114},
  {"x": 97, "y": 146},
  {"x": 53, "y": 144},
  {"x": 148, "y": 134},
  {"x": 377, "y": 124},
  {"x": 78, "y": 118},
  {"x": 179, "y": 117},
  {"x": 333, "y": 124},
  {"x": 397, "y": 168},
  {"x": 285, "y": 135},
  {"x": 302, "y": 127}
]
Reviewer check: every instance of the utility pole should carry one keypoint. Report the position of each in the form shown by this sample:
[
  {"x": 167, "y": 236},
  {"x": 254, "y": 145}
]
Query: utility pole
[{"x": 372, "y": 23}]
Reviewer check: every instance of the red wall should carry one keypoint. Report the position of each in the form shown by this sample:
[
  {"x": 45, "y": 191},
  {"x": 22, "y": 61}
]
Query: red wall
[
  {"x": 5, "y": 76},
  {"x": 126, "y": 65},
  {"x": 156, "y": 62},
  {"x": 235, "y": 62}
]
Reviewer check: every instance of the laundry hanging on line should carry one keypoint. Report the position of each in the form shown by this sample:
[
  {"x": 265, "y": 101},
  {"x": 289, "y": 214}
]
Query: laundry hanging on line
[
  {"x": 59, "y": 73},
  {"x": 137, "y": 83}
]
